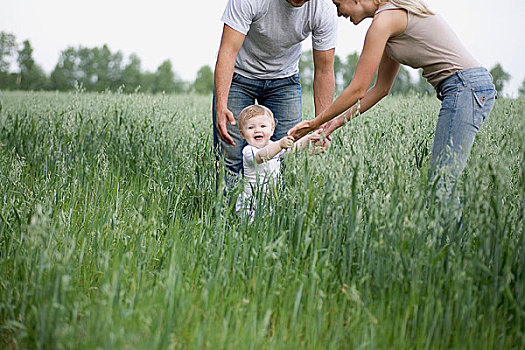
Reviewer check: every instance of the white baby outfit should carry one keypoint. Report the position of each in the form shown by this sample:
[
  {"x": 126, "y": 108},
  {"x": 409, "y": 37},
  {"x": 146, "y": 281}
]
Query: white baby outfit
[{"x": 258, "y": 178}]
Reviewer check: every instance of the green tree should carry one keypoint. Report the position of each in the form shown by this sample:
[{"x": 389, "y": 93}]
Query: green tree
[
  {"x": 522, "y": 88},
  {"x": 500, "y": 77},
  {"x": 164, "y": 80},
  {"x": 86, "y": 67},
  {"x": 97, "y": 69},
  {"x": 402, "y": 83},
  {"x": 147, "y": 81},
  {"x": 338, "y": 74},
  {"x": 32, "y": 76},
  {"x": 204, "y": 81},
  {"x": 306, "y": 70},
  {"x": 66, "y": 71},
  {"x": 114, "y": 70},
  {"x": 132, "y": 77},
  {"x": 349, "y": 67},
  {"x": 423, "y": 86},
  {"x": 7, "y": 51},
  {"x": 107, "y": 69}
]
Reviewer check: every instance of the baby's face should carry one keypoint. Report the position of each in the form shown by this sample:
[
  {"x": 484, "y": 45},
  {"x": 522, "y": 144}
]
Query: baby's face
[{"x": 258, "y": 130}]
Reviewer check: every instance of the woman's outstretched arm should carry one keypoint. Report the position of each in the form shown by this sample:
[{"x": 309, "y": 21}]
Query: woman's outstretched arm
[
  {"x": 386, "y": 76},
  {"x": 384, "y": 25}
]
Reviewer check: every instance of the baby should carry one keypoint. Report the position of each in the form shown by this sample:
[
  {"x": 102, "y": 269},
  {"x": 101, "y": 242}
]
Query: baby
[{"x": 261, "y": 157}]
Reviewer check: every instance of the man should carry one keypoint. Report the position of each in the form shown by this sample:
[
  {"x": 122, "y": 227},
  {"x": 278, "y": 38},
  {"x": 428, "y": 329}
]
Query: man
[{"x": 258, "y": 61}]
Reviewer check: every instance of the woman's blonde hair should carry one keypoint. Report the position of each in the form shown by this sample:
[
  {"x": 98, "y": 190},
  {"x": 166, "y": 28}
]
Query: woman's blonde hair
[
  {"x": 254, "y": 111},
  {"x": 416, "y": 7}
]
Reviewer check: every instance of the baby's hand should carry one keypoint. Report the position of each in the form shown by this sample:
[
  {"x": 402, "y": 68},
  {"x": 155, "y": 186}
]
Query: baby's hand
[{"x": 286, "y": 142}]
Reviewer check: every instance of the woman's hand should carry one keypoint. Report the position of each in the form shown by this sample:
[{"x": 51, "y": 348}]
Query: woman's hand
[
  {"x": 319, "y": 140},
  {"x": 301, "y": 129},
  {"x": 332, "y": 125}
]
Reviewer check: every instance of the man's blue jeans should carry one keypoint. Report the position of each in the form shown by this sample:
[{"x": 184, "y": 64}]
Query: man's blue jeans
[
  {"x": 281, "y": 96},
  {"x": 467, "y": 99}
]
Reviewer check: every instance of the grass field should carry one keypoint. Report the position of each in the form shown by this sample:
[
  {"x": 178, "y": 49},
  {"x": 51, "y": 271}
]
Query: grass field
[{"x": 112, "y": 235}]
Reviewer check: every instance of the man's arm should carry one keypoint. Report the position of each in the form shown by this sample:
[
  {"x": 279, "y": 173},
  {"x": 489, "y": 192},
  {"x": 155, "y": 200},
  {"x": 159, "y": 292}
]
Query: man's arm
[
  {"x": 231, "y": 43},
  {"x": 324, "y": 80},
  {"x": 324, "y": 84}
]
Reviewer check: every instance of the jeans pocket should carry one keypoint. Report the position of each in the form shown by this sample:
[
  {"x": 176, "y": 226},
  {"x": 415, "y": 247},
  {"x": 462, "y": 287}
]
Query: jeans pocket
[
  {"x": 484, "y": 98},
  {"x": 483, "y": 95}
]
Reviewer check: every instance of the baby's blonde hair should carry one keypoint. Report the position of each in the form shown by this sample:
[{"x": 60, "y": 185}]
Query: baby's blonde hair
[{"x": 254, "y": 111}]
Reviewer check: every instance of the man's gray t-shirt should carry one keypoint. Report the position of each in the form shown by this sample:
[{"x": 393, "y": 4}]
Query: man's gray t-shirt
[{"x": 274, "y": 32}]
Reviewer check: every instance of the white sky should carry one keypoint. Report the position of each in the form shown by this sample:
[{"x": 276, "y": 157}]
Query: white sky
[{"x": 188, "y": 31}]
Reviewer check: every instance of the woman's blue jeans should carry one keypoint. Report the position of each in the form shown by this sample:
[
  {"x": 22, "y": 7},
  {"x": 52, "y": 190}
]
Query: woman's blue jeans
[
  {"x": 467, "y": 99},
  {"x": 281, "y": 96}
]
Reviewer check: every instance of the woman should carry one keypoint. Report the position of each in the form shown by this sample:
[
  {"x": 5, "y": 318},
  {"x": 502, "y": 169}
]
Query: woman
[{"x": 407, "y": 32}]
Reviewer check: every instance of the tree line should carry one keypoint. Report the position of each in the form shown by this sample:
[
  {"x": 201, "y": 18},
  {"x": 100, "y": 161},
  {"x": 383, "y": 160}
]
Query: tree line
[
  {"x": 95, "y": 69},
  {"x": 100, "y": 69}
]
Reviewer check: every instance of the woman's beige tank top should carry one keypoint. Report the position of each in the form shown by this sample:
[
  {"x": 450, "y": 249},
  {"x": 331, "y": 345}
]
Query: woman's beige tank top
[{"x": 429, "y": 43}]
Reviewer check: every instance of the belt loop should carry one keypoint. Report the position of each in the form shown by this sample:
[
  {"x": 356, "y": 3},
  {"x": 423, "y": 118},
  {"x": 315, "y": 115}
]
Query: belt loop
[{"x": 461, "y": 78}]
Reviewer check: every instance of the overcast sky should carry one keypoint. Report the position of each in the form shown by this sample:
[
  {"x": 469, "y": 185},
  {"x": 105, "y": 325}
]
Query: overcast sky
[{"x": 188, "y": 31}]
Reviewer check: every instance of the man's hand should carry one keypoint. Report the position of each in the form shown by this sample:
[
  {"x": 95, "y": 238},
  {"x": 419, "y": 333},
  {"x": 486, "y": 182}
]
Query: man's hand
[
  {"x": 301, "y": 129},
  {"x": 224, "y": 116},
  {"x": 231, "y": 43},
  {"x": 286, "y": 142}
]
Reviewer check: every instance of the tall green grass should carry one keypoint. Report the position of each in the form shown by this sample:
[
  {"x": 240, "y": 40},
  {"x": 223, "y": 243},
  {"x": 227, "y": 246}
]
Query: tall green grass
[{"x": 112, "y": 234}]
